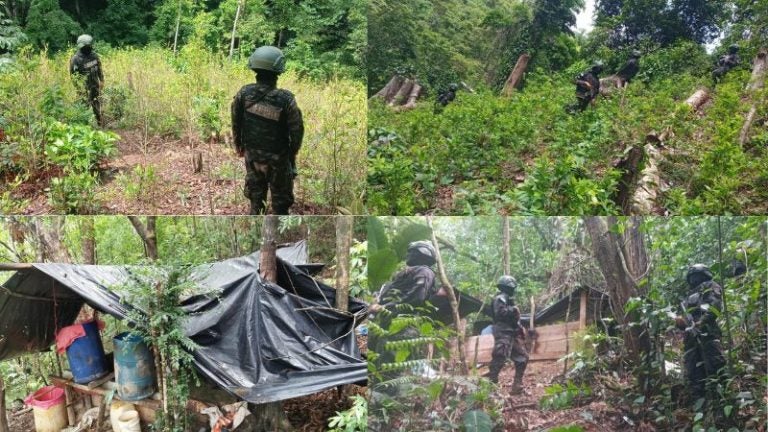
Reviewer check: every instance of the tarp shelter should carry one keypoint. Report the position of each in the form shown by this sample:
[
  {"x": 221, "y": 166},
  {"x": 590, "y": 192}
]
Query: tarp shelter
[{"x": 259, "y": 341}]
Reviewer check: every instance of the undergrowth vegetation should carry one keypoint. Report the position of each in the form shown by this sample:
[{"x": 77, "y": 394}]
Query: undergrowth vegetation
[
  {"x": 526, "y": 154},
  {"x": 161, "y": 97}
]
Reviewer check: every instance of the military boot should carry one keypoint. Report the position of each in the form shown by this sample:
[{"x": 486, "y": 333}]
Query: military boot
[{"x": 517, "y": 384}]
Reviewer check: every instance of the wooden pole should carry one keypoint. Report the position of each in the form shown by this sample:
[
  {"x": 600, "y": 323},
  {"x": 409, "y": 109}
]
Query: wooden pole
[
  {"x": 505, "y": 244},
  {"x": 583, "y": 309},
  {"x": 234, "y": 28},
  {"x": 453, "y": 300}
]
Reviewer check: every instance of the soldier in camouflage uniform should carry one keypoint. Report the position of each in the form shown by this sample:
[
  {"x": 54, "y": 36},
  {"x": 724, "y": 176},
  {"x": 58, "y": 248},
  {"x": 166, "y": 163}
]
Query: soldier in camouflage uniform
[
  {"x": 268, "y": 130},
  {"x": 587, "y": 86},
  {"x": 704, "y": 359},
  {"x": 413, "y": 286},
  {"x": 508, "y": 334},
  {"x": 416, "y": 282},
  {"x": 85, "y": 67},
  {"x": 726, "y": 63},
  {"x": 630, "y": 68},
  {"x": 444, "y": 97}
]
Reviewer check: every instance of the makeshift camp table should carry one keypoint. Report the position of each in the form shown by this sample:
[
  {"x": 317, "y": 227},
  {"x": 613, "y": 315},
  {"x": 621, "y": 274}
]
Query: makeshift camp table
[{"x": 82, "y": 397}]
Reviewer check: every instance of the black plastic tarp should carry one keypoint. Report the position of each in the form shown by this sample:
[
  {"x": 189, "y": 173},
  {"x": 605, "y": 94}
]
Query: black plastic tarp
[{"x": 259, "y": 341}]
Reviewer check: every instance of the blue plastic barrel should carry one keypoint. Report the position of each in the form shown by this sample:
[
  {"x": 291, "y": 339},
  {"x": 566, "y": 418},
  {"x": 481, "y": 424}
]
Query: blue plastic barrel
[
  {"x": 134, "y": 368},
  {"x": 86, "y": 355}
]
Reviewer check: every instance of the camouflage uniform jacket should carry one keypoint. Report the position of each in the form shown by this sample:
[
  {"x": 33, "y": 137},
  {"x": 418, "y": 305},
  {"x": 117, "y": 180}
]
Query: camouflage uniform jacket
[
  {"x": 701, "y": 304},
  {"x": 587, "y": 85},
  {"x": 629, "y": 70},
  {"x": 89, "y": 66},
  {"x": 506, "y": 316},
  {"x": 412, "y": 285},
  {"x": 266, "y": 123}
]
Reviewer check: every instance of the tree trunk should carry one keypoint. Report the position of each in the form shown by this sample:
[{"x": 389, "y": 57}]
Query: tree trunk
[
  {"x": 505, "y": 244},
  {"x": 760, "y": 65},
  {"x": 234, "y": 28},
  {"x": 756, "y": 82},
  {"x": 147, "y": 234},
  {"x": 178, "y": 25},
  {"x": 3, "y": 417},
  {"x": 515, "y": 78},
  {"x": 453, "y": 300},
  {"x": 343, "y": 244},
  {"x": 88, "y": 240},
  {"x": 623, "y": 262},
  {"x": 268, "y": 251},
  {"x": 269, "y": 416}
]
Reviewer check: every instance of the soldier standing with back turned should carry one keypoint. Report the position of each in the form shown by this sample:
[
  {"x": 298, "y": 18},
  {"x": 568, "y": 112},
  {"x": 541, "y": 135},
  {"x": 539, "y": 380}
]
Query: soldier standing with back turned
[
  {"x": 726, "y": 63},
  {"x": 268, "y": 129},
  {"x": 588, "y": 86},
  {"x": 508, "y": 334},
  {"x": 85, "y": 67},
  {"x": 704, "y": 359}
]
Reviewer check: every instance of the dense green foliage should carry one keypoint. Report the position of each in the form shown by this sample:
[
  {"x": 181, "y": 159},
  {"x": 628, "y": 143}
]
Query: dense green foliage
[
  {"x": 478, "y": 40},
  {"x": 525, "y": 153},
  {"x": 160, "y": 96},
  {"x": 472, "y": 253},
  {"x": 323, "y": 38}
]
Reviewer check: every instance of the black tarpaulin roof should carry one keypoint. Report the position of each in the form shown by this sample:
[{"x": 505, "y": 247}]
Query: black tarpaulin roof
[{"x": 259, "y": 341}]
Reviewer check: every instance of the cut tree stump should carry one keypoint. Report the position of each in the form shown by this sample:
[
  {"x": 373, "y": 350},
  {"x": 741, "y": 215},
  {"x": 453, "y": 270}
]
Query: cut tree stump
[
  {"x": 646, "y": 191},
  {"x": 515, "y": 78},
  {"x": 197, "y": 162},
  {"x": 412, "y": 96},
  {"x": 697, "y": 99}
]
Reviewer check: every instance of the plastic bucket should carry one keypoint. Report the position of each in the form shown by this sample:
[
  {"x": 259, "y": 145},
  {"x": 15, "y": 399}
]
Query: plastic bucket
[
  {"x": 116, "y": 410},
  {"x": 134, "y": 368},
  {"x": 86, "y": 355},
  {"x": 49, "y": 409},
  {"x": 129, "y": 421}
]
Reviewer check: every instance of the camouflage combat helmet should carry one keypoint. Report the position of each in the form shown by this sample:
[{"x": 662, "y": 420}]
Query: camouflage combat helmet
[
  {"x": 733, "y": 48},
  {"x": 507, "y": 284},
  {"x": 84, "y": 40},
  {"x": 697, "y": 274},
  {"x": 421, "y": 253},
  {"x": 635, "y": 54},
  {"x": 267, "y": 58},
  {"x": 597, "y": 67}
]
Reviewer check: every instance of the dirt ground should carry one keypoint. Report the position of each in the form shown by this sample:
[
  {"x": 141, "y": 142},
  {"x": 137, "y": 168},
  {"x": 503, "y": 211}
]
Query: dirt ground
[
  {"x": 522, "y": 412},
  {"x": 156, "y": 176}
]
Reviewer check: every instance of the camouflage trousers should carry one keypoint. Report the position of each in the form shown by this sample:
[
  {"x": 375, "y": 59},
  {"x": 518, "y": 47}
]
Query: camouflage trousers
[
  {"x": 263, "y": 176},
  {"x": 704, "y": 364},
  {"x": 507, "y": 346},
  {"x": 92, "y": 97}
]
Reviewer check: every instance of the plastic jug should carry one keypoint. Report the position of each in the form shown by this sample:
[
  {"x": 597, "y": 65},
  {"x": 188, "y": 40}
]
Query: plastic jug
[{"x": 115, "y": 410}]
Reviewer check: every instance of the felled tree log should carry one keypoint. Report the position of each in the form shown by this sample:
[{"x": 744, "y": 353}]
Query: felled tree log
[
  {"x": 629, "y": 166},
  {"x": 646, "y": 190},
  {"x": 390, "y": 90},
  {"x": 402, "y": 93},
  {"x": 515, "y": 78},
  {"x": 697, "y": 99},
  {"x": 412, "y": 96}
]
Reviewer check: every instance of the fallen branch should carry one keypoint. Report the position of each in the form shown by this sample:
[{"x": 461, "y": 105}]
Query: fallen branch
[{"x": 756, "y": 82}]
